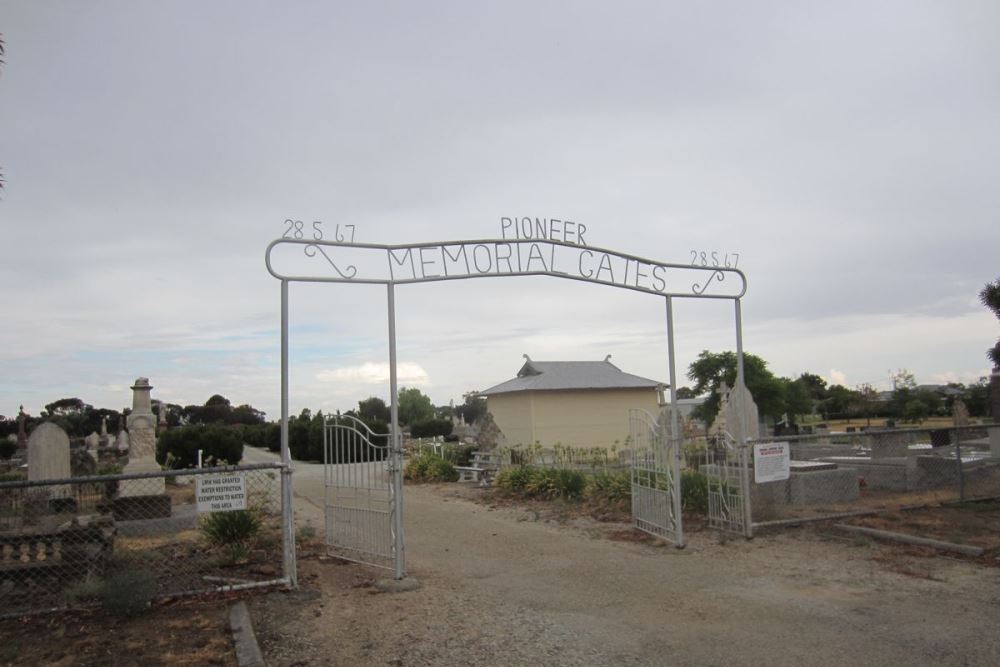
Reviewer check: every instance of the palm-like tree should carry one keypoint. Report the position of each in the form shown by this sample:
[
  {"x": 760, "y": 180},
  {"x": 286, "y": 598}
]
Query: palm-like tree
[{"x": 990, "y": 296}]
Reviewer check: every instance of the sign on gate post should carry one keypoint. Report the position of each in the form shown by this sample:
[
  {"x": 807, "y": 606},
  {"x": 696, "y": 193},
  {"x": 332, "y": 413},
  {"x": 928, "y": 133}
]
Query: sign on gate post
[
  {"x": 771, "y": 462},
  {"x": 221, "y": 493}
]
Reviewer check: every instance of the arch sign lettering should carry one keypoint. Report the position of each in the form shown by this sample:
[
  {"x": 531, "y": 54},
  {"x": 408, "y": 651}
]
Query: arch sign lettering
[{"x": 527, "y": 246}]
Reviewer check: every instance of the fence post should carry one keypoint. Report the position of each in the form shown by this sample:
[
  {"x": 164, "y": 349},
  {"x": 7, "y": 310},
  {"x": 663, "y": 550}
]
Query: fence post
[
  {"x": 747, "y": 486},
  {"x": 958, "y": 462},
  {"x": 288, "y": 528}
]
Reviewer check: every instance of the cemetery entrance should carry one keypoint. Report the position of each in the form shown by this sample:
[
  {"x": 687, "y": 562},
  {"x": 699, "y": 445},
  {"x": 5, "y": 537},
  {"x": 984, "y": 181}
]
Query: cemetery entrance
[{"x": 365, "y": 501}]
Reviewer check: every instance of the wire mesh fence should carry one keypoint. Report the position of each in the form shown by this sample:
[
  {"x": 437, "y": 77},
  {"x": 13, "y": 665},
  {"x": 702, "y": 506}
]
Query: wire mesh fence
[
  {"x": 118, "y": 539},
  {"x": 833, "y": 474}
]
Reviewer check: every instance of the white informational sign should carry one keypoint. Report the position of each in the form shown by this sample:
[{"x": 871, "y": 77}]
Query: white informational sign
[
  {"x": 221, "y": 493},
  {"x": 771, "y": 462}
]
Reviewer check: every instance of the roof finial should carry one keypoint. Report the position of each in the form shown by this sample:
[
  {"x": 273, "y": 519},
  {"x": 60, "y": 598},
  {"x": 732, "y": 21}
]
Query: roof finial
[
  {"x": 607, "y": 358},
  {"x": 526, "y": 357}
]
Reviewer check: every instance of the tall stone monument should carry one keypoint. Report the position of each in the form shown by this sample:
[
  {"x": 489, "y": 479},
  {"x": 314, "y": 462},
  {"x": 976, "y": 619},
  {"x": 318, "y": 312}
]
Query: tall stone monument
[
  {"x": 738, "y": 414},
  {"x": 141, "y": 424},
  {"x": 22, "y": 436}
]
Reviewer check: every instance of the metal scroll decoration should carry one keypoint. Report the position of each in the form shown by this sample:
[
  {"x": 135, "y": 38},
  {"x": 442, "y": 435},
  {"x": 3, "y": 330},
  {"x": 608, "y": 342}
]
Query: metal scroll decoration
[
  {"x": 700, "y": 289},
  {"x": 351, "y": 269}
]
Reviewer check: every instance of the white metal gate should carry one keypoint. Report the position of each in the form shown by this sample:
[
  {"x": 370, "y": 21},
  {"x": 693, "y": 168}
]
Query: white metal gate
[
  {"x": 727, "y": 472},
  {"x": 656, "y": 484},
  {"x": 360, "y": 494}
]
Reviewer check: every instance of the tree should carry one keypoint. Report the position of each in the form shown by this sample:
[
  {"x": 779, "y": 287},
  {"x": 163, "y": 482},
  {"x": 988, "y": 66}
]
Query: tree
[
  {"x": 710, "y": 369},
  {"x": 990, "y": 296},
  {"x": 814, "y": 385},
  {"x": 866, "y": 397},
  {"x": 838, "y": 402},
  {"x": 686, "y": 392},
  {"x": 473, "y": 408},
  {"x": 797, "y": 398},
  {"x": 414, "y": 406},
  {"x": 67, "y": 406},
  {"x": 373, "y": 408}
]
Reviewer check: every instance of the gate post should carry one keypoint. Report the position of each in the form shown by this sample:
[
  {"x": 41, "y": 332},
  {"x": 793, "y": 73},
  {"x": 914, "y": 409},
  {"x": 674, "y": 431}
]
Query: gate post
[
  {"x": 741, "y": 436},
  {"x": 395, "y": 447},
  {"x": 287, "y": 513},
  {"x": 676, "y": 436}
]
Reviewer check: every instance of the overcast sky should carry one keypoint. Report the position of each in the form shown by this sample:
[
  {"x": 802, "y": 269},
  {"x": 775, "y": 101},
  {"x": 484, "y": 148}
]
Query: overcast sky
[{"x": 151, "y": 151}]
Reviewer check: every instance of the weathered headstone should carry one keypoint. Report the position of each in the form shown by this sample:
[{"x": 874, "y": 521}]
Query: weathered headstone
[
  {"x": 738, "y": 414},
  {"x": 959, "y": 413},
  {"x": 162, "y": 414},
  {"x": 719, "y": 424},
  {"x": 48, "y": 457},
  {"x": 81, "y": 462},
  {"x": 92, "y": 441},
  {"x": 121, "y": 442}
]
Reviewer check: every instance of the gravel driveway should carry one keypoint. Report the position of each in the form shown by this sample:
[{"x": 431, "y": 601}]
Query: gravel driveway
[{"x": 500, "y": 587}]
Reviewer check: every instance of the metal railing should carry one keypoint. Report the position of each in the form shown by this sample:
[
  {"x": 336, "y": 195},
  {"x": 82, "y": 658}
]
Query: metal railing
[
  {"x": 86, "y": 541},
  {"x": 837, "y": 474}
]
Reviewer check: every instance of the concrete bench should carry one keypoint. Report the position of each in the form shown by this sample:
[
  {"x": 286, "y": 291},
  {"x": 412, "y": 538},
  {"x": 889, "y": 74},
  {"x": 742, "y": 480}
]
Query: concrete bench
[{"x": 484, "y": 465}]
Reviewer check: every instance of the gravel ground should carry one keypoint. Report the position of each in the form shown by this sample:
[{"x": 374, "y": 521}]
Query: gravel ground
[{"x": 501, "y": 586}]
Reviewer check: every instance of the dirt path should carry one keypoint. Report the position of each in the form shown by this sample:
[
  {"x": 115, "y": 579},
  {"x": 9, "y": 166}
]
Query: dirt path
[{"x": 501, "y": 588}]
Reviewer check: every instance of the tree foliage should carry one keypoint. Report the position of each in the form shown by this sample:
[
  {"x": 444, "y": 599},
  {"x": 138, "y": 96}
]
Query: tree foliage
[
  {"x": 373, "y": 408},
  {"x": 473, "y": 408},
  {"x": 414, "y": 406},
  {"x": 710, "y": 369},
  {"x": 990, "y": 296}
]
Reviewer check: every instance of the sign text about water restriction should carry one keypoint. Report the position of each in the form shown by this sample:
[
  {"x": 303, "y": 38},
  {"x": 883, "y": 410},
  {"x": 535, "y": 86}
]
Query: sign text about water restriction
[
  {"x": 771, "y": 462},
  {"x": 221, "y": 493}
]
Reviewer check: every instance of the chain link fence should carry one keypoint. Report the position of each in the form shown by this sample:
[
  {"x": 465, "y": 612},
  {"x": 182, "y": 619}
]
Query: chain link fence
[
  {"x": 867, "y": 471},
  {"x": 116, "y": 540}
]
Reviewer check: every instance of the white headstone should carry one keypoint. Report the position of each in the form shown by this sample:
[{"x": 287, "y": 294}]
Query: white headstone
[
  {"x": 48, "y": 453},
  {"x": 743, "y": 416}
]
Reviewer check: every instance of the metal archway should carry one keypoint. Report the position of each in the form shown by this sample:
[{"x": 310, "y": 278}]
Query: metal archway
[{"x": 540, "y": 252}]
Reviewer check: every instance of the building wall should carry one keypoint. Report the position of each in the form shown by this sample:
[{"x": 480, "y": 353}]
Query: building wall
[{"x": 595, "y": 418}]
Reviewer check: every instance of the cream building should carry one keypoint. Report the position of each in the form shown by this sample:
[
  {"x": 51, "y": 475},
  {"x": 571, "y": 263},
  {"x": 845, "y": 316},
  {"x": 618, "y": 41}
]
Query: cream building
[{"x": 573, "y": 403}]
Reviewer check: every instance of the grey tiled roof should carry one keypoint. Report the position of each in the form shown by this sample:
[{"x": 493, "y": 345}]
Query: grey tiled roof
[{"x": 555, "y": 375}]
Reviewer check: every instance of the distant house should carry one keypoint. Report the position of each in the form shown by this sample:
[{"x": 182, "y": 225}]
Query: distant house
[{"x": 573, "y": 403}]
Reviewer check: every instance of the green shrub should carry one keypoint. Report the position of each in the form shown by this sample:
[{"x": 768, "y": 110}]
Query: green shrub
[
  {"x": 225, "y": 527},
  {"x": 430, "y": 428},
  {"x": 514, "y": 478},
  {"x": 546, "y": 483},
  {"x": 7, "y": 448},
  {"x": 129, "y": 592},
  {"x": 694, "y": 492},
  {"x": 265, "y": 436},
  {"x": 234, "y": 532},
  {"x": 12, "y": 476},
  {"x": 221, "y": 443},
  {"x": 427, "y": 467},
  {"x": 610, "y": 487}
]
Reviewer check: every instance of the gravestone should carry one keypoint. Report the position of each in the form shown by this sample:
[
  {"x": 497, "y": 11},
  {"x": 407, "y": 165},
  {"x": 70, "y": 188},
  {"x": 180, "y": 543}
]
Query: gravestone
[
  {"x": 81, "y": 462},
  {"x": 959, "y": 413},
  {"x": 22, "y": 436},
  {"x": 141, "y": 425},
  {"x": 92, "y": 441},
  {"x": 743, "y": 415},
  {"x": 719, "y": 424},
  {"x": 162, "y": 414},
  {"x": 48, "y": 458},
  {"x": 121, "y": 442}
]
